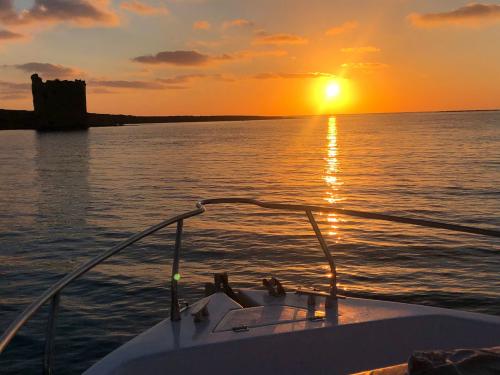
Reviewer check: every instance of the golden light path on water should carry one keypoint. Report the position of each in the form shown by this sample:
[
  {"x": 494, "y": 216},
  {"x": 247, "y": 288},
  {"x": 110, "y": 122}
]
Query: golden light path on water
[
  {"x": 332, "y": 180},
  {"x": 332, "y": 165}
]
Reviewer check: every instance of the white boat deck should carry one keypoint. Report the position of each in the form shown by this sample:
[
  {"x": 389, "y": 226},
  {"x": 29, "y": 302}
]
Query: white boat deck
[{"x": 286, "y": 335}]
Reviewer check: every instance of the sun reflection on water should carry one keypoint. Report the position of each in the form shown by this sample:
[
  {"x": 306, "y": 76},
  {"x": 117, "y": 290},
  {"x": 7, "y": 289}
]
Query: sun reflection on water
[{"x": 331, "y": 176}]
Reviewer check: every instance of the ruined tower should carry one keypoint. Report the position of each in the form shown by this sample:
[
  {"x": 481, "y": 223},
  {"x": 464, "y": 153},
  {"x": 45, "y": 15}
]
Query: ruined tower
[{"x": 59, "y": 105}]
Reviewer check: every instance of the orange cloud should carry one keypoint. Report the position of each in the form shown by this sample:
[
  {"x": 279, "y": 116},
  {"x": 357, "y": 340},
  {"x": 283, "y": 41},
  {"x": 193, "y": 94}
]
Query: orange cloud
[
  {"x": 210, "y": 44},
  {"x": 345, "y": 27},
  {"x": 278, "y": 39},
  {"x": 201, "y": 25},
  {"x": 138, "y": 7},
  {"x": 364, "y": 66},
  {"x": 469, "y": 15},
  {"x": 250, "y": 54},
  {"x": 363, "y": 49},
  {"x": 239, "y": 22},
  {"x": 14, "y": 90},
  {"x": 293, "y": 75}
]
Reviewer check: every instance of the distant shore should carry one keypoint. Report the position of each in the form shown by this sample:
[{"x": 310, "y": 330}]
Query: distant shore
[
  {"x": 11, "y": 119},
  {"x": 25, "y": 120}
]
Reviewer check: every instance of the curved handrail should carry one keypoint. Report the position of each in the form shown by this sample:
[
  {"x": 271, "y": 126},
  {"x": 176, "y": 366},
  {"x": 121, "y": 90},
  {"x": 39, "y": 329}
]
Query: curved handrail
[
  {"x": 354, "y": 213},
  {"x": 14, "y": 327},
  {"x": 53, "y": 292}
]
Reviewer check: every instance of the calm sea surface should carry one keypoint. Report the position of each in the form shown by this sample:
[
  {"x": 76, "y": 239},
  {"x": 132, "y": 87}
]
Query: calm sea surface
[{"x": 66, "y": 197}]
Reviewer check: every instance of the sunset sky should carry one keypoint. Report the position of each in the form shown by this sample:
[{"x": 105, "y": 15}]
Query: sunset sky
[{"x": 268, "y": 57}]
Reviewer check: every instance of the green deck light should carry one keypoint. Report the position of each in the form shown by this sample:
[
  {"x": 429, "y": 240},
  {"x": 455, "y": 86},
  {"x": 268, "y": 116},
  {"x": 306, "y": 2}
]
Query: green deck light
[{"x": 177, "y": 277}]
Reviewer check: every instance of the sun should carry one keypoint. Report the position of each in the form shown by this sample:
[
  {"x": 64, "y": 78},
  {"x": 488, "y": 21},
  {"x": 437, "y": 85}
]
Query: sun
[
  {"x": 332, "y": 90},
  {"x": 329, "y": 95}
]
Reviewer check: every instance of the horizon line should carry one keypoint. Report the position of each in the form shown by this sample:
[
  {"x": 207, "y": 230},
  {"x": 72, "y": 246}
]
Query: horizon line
[{"x": 290, "y": 116}]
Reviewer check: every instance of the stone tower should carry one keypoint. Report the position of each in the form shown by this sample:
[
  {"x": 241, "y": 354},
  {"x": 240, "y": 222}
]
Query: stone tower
[{"x": 59, "y": 105}]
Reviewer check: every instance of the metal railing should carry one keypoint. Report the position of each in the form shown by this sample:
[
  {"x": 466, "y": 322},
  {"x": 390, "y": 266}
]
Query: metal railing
[{"x": 54, "y": 292}]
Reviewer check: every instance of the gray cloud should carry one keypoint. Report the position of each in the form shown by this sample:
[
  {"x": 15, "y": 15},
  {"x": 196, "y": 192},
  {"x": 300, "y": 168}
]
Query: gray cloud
[
  {"x": 122, "y": 84},
  {"x": 178, "y": 82},
  {"x": 47, "y": 69},
  {"x": 471, "y": 14},
  {"x": 223, "y": 78},
  {"x": 99, "y": 90},
  {"x": 7, "y": 10},
  {"x": 83, "y": 12},
  {"x": 180, "y": 58},
  {"x": 187, "y": 78},
  {"x": 174, "y": 58},
  {"x": 180, "y": 79},
  {"x": 9, "y": 35}
]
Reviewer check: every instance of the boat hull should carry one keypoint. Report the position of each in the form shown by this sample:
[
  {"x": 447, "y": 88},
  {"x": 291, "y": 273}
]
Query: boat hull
[{"x": 351, "y": 336}]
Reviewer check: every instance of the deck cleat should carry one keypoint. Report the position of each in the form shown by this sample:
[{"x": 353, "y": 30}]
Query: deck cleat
[
  {"x": 200, "y": 311},
  {"x": 274, "y": 287}
]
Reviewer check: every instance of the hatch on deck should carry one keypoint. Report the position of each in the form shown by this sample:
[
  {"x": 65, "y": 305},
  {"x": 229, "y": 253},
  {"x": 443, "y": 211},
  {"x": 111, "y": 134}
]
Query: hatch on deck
[{"x": 263, "y": 316}]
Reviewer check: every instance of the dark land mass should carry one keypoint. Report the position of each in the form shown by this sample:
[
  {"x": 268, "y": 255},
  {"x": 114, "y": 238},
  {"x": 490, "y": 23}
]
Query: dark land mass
[{"x": 18, "y": 119}]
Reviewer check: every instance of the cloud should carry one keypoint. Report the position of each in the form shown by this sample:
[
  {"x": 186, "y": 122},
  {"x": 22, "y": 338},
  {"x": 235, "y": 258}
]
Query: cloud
[
  {"x": 121, "y": 84},
  {"x": 139, "y": 7},
  {"x": 99, "y": 90},
  {"x": 364, "y": 66},
  {"x": 179, "y": 58},
  {"x": 179, "y": 82},
  {"x": 188, "y": 78},
  {"x": 345, "y": 27},
  {"x": 278, "y": 39},
  {"x": 80, "y": 12},
  {"x": 7, "y": 97},
  {"x": 194, "y": 58},
  {"x": 250, "y": 54},
  {"x": 223, "y": 78},
  {"x": 238, "y": 22},
  {"x": 15, "y": 86},
  {"x": 181, "y": 79},
  {"x": 363, "y": 49},
  {"x": 174, "y": 58},
  {"x": 210, "y": 44},
  {"x": 201, "y": 25},
  {"x": 50, "y": 70},
  {"x": 14, "y": 90},
  {"x": 311, "y": 75},
  {"x": 7, "y": 10},
  {"x": 9, "y": 35},
  {"x": 469, "y": 15}
]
